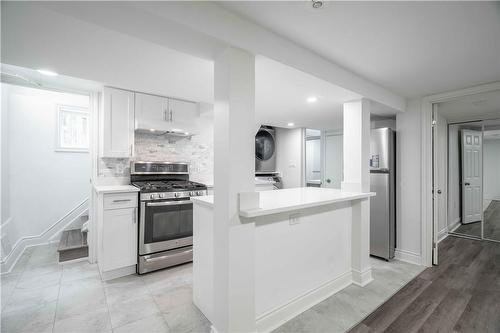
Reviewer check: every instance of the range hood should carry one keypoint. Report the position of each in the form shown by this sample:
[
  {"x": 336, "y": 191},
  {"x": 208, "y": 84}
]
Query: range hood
[{"x": 164, "y": 132}]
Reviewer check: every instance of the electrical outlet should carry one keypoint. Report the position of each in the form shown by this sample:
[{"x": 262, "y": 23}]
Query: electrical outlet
[{"x": 294, "y": 219}]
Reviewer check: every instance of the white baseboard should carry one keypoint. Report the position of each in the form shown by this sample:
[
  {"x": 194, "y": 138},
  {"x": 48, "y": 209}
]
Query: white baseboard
[
  {"x": 213, "y": 329},
  {"x": 48, "y": 236},
  {"x": 408, "y": 256},
  {"x": 442, "y": 235},
  {"x": 116, "y": 273},
  {"x": 362, "y": 278},
  {"x": 281, "y": 314},
  {"x": 455, "y": 225},
  {"x": 69, "y": 262}
]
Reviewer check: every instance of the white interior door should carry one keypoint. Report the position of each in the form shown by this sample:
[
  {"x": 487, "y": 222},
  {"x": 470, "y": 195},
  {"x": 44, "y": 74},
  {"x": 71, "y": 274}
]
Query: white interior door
[
  {"x": 333, "y": 173},
  {"x": 472, "y": 174}
]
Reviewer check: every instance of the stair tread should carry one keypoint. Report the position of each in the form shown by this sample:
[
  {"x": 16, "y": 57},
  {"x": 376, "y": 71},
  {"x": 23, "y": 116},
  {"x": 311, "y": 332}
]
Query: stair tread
[{"x": 72, "y": 239}]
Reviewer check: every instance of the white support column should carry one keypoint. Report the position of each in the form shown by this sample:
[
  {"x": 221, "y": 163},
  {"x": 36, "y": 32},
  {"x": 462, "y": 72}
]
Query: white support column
[
  {"x": 357, "y": 179},
  {"x": 234, "y": 169}
]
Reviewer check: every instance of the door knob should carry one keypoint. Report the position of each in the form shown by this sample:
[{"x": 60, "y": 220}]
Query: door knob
[
  {"x": 467, "y": 184},
  {"x": 328, "y": 180},
  {"x": 439, "y": 191}
]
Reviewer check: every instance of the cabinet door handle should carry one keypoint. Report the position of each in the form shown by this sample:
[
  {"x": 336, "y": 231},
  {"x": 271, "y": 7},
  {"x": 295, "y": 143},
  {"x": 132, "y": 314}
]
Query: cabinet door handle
[
  {"x": 165, "y": 115},
  {"x": 122, "y": 200},
  {"x": 135, "y": 215},
  {"x": 170, "y": 115},
  {"x": 131, "y": 150}
]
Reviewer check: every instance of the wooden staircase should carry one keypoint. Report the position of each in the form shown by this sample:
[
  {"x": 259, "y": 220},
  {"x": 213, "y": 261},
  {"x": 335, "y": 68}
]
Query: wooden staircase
[{"x": 73, "y": 244}]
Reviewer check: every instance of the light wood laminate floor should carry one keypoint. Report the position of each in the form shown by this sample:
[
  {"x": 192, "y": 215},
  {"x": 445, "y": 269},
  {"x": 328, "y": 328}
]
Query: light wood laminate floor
[
  {"x": 462, "y": 294},
  {"x": 491, "y": 223}
]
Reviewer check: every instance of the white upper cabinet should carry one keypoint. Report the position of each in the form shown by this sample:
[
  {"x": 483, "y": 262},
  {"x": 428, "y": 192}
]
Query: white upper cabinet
[
  {"x": 117, "y": 125},
  {"x": 164, "y": 114},
  {"x": 151, "y": 112},
  {"x": 184, "y": 114}
]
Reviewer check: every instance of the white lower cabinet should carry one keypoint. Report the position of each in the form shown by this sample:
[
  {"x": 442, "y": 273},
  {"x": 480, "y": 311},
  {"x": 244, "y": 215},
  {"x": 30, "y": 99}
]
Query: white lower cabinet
[
  {"x": 119, "y": 238},
  {"x": 117, "y": 234}
]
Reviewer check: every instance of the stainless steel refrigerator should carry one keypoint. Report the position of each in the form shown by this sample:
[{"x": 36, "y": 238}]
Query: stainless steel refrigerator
[{"x": 382, "y": 181}]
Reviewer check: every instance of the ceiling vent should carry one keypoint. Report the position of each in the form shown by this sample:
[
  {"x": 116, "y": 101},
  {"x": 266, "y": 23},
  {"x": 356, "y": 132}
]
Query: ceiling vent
[{"x": 317, "y": 4}]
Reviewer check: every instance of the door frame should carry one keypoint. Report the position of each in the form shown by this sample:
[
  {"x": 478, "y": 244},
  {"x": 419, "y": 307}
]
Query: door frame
[
  {"x": 427, "y": 232},
  {"x": 304, "y": 154},
  {"x": 435, "y": 185},
  {"x": 324, "y": 134}
]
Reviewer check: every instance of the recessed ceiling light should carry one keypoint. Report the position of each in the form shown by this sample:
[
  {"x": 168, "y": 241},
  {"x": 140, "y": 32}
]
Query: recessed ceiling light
[
  {"x": 291, "y": 124},
  {"x": 152, "y": 130},
  {"x": 47, "y": 72},
  {"x": 312, "y": 99},
  {"x": 186, "y": 133}
]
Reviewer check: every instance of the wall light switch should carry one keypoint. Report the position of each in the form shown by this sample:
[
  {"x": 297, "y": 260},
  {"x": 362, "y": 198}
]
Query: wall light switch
[{"x": 294, "y": 219}]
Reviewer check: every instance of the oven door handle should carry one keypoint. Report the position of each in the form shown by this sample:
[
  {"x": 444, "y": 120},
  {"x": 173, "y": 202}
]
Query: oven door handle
[
  {"x": 167, "y": 256},
  {"x": 168, "y": 203}
]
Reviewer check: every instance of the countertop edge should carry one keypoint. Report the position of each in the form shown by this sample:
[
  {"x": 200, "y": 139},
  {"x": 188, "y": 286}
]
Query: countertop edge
[
  {"x": 249, "y": 213},
  {"x": 201, "y": 201},
  {"x": 115, "y": 188}
]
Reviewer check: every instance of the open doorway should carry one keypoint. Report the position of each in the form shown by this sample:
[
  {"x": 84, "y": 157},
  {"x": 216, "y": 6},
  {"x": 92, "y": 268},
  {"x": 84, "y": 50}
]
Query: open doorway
[
  {"x": 466, "y": 160},
  {"x": 491, "y": 176},
  {"x": 324, "y": 158},
  {"x": 465, "y": 178},
  {"x": 46, "y": 167}
]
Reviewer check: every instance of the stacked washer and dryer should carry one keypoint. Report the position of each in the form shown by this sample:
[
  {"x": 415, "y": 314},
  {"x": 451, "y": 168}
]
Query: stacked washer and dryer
[{"x": 266, "y": 176}]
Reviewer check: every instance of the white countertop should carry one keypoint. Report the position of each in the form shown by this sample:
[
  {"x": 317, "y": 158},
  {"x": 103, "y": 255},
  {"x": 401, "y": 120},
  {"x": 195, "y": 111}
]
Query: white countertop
[
  {"x": 115, "y": 188},
  {"x": 207, "y": 200},
  {"x": 279, "y": 201}
]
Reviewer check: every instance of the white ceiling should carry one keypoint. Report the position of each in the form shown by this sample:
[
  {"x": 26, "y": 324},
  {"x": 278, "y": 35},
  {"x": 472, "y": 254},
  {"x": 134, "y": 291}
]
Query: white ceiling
[
  {"x": 37, "y": 37},
  {"x": 472, "y": 107},
  {"x": 412, "y": 48},
  {"x": 68, "y": 46},
  {"x": 281, "y": 94},
  {"x": 32, "y": 78}
]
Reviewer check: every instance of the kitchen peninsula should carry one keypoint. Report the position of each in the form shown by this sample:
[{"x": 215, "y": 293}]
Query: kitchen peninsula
[{"x": 304, "y": 248}]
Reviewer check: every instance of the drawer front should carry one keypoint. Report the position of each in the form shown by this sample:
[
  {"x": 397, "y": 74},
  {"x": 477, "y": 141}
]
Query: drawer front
[{"x": 120, "y": 200}]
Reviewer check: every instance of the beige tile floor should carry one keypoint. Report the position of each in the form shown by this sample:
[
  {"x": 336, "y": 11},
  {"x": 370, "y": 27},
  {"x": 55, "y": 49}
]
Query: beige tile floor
[
  {"x": 41, "y": 295},
  {"x": 351, "y": 305}
]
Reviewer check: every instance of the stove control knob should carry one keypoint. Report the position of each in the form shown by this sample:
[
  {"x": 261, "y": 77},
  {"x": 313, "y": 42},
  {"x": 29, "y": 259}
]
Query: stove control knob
[
  {"x": 176, "y": 194},
  {"x": 161, "y": 195},
  {"x": 192, "y": 193},
  {"x": 199, "y": 193},
  {"x": 153, "y": 196}
]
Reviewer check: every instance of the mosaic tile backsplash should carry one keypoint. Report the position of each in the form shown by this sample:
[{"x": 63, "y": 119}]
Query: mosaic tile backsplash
[{"x": 197, "y": 150}]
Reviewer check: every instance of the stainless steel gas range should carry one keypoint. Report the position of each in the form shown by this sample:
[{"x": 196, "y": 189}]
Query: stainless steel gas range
[{"x": 165, "y": 213}]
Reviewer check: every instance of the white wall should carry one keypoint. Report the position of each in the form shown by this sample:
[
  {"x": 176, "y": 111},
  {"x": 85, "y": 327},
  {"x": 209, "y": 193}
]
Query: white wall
[
  {"x": 4, "y": 152},
  {"x": 408, "y": 181},
  {"x": 383, "y": 123},
  {"x": 491, "y": 165},
  {"x": 43, "y": 185},
  {"x": 289, "y": 158}
]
